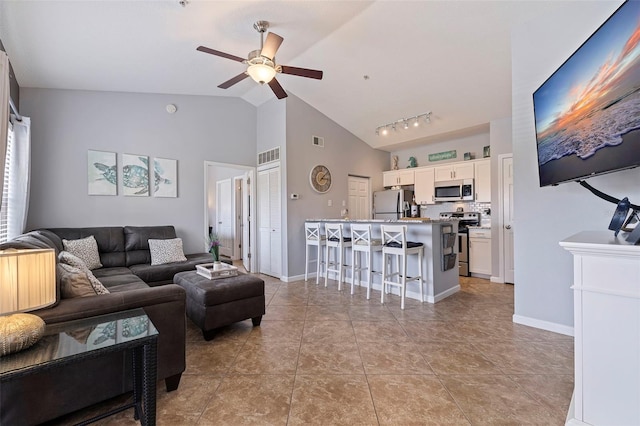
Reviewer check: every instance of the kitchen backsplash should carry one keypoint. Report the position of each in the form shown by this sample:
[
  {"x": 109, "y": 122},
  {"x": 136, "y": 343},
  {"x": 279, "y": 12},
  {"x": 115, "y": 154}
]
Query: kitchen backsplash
[{"x": 434, "y": 210}]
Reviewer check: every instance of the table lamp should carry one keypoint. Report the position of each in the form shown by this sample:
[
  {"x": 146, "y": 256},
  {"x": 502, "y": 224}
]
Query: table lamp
[{"x": 27, "y": 283}]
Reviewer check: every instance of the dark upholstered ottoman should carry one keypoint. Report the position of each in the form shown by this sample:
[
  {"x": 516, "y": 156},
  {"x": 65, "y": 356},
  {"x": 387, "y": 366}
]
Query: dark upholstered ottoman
[{"x": 212, "y": 304}]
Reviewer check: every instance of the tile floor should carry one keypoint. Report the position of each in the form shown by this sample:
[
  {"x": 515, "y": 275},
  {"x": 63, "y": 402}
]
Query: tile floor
[{"x": 326, "y": 357}]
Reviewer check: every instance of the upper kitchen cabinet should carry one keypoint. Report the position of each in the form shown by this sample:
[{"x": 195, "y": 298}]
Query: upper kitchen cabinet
[
  {"x": 463, "y": 170},
  {"x": 398, "y": 177},
  {"x": 483, "y": 180},
  {"x": 424, "y": 184}
]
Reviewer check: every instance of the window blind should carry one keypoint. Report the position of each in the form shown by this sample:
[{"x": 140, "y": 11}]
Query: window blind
[{"x": 5, "y": 190}]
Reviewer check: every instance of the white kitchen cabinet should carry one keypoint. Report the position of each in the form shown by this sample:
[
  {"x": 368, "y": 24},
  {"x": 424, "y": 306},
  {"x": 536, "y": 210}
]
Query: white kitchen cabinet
[
  {"x": 397, "y": 177},
  {"x": 462, "y": 170},
  {"x": 423, "y": 186},
  {"x": 482, "y": 180},
  {"x": 480, "y": 251}
]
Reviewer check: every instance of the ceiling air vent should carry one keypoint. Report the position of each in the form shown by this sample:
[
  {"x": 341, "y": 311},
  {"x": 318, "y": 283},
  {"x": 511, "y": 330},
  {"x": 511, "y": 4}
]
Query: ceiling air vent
[
  {"x": 317, "y": 141},
  {"x": 269, "y": 156}
]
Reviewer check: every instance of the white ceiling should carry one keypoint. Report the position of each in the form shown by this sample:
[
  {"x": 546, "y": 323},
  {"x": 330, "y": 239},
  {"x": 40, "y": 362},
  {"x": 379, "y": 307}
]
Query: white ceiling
[{"x": 449, "y": 57}]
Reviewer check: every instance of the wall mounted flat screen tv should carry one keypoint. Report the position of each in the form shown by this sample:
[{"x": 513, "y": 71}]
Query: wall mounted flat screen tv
[{"x": 587, "y": 114}]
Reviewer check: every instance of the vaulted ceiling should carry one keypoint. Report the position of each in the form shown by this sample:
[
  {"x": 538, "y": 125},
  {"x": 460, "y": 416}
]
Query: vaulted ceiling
[{"x": 382, "y": 60}]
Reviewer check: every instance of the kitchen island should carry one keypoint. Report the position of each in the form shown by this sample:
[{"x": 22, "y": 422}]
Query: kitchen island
[{"x": 440, "y": 263}]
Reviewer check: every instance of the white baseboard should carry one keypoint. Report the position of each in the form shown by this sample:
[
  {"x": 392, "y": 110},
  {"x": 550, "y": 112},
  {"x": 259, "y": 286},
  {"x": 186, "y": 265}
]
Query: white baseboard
[
  {"x": 287, "y": 279},
  {"x": 438, "y": 297},
  {"x": 544, "y": 325},
  {"x": 571, "y": 415},
  {"x": 498, "y": 280}
]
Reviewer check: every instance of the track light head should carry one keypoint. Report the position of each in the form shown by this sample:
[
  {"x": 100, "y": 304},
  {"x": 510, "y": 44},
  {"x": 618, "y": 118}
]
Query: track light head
[{"x": 405, "y": 122}]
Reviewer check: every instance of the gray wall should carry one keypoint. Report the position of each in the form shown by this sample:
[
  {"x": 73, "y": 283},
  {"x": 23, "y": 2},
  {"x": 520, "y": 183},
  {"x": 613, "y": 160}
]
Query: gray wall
[
  {"x": 65, "y": 124},
  {"x": 343, "y": 154},
  {"x": 544, "y": 216},
  {"x": 471, "y": 143}
]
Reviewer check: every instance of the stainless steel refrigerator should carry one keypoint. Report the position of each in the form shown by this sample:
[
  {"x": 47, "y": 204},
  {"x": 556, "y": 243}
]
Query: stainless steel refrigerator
[{"x": 392, "y": 204}]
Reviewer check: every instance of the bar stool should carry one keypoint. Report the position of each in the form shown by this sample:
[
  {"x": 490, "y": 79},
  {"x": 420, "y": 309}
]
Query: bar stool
[
  {"x": 337, "y": 242},
  {"x": 362, "y": 243},
  {"x": 394, "y": 243},
  {"x": 313, "y": 238}
]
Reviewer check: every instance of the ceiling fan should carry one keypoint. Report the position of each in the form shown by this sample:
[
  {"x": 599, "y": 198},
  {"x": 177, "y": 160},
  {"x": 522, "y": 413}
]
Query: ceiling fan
[{"x": 261, "y": 63}]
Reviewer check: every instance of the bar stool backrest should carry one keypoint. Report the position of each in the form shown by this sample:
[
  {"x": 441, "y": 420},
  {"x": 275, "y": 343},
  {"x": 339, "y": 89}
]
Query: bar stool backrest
[
  {"x": 394, "y": 236},
  {"x": 312, "y": 231},
  {"x": 361, "y": 235},
  {"x": 333, "y": 232}
]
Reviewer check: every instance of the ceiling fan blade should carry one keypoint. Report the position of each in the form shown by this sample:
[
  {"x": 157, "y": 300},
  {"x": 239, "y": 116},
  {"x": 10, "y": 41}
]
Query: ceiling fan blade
[
  {"x": 271, "y": 45},
  {"x": 302, "y": 72},
  {"x": 238, "y": 78},
  {"x": 221, "y": 54},
  {"x": 277, "y": 89}
]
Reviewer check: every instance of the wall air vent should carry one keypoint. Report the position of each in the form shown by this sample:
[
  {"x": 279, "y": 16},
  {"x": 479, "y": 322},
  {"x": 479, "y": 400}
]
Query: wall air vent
[
  {"x": 317, "y": 141},
  {"x": 269, "y": 156}
]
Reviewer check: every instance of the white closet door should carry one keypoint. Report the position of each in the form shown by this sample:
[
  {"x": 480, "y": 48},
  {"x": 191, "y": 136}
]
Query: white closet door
[
  {"x": 359, "y": 198},
  {"x": 269, "y": 222},
  {"x": 224, "y": 209}
]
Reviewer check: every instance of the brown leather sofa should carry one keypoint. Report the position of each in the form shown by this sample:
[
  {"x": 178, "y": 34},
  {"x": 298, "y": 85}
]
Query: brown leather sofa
[{"x": 133, "y": 283}]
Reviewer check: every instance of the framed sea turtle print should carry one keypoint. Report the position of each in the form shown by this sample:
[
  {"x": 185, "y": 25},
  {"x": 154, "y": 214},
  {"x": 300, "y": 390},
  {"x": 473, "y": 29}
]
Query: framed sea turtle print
[
  {"x": 102, "y": 173},
  {"x": 165, "y": 178},
  {"x": 135, "y": 175}
]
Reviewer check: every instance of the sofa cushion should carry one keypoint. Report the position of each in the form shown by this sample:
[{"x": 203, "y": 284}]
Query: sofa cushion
[
  {"x": 166, "y": 251},
  {"x": 73, "y": 282},
  {"x": 137, "y": 241},
  {"x": 70, "y": 259},
  {"x": 120, "y": 283},
  {"x": 86, "y": 249},
  {"x": 111, "y": 272},
  {"x": 110, "y": 241},
  {"x": 158, "y": 274}
]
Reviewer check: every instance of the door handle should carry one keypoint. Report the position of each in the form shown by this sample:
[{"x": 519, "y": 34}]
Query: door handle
[{"x": 508, "y": 226}]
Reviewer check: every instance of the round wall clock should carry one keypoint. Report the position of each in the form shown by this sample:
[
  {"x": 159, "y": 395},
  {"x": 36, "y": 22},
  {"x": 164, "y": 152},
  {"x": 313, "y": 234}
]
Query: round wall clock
[{"x": 320, "y": 178}]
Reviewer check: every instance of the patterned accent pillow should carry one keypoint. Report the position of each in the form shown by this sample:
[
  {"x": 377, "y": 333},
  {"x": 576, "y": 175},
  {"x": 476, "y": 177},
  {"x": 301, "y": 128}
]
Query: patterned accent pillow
[
  {"x": 86, "y": 249},
  {"x": 166, "y": 251},
  {"x": 69, "y": 259},
  {"x": 74, "y": 282}
]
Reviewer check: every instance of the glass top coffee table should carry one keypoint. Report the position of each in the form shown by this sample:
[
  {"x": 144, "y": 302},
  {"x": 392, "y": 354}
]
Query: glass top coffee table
[{"x": 68, "y": 342}]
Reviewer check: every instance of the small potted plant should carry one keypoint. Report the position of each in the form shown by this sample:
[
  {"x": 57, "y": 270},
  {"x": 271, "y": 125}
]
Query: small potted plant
[{"x": 214, "y": 246}]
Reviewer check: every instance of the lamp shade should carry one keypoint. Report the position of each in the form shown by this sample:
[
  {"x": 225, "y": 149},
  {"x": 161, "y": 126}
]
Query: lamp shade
[
  {"x": 261, "y": 73},
  {"x": 27, "y": 279}
]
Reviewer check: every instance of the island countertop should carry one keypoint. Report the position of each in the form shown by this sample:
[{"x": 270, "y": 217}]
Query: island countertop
[
  {"x": 403, "y": 220},
  {"x": 440, "y": 263}
]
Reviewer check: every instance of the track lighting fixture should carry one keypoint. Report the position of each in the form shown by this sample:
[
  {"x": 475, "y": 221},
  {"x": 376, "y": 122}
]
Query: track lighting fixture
[{"x": 383, "y": 130}]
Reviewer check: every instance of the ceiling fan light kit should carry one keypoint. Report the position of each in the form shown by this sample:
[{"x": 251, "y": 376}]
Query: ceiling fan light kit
[
  {"x": 384, "y": 129},
  {"x": 261, "y": 63}
]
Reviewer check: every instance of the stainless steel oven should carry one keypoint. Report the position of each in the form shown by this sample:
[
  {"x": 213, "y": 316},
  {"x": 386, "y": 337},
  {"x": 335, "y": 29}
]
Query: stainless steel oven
[{"x": 465, "y": 219}]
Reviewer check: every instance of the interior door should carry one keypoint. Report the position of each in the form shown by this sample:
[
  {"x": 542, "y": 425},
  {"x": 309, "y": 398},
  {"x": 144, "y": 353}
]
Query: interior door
[
  {"x": 224, "y": 216},
  {"x": 359, "y": 198},
  {"x": 269, "y": 222},
  {"x": 246, "y": 220},
  {"x": 507, "y": 217}
]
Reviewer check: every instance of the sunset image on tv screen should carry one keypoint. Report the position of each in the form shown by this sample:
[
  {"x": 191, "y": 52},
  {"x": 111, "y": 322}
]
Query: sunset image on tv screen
[{"x": 587, "y": 114}]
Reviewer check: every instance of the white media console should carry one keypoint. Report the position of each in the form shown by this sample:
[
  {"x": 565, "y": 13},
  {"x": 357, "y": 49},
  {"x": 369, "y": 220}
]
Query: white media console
[{"x": 606, "y": 292}]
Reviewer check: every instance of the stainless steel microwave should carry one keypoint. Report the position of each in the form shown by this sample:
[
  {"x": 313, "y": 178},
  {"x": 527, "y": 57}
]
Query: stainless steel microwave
[{"x": 454, "y": 190}]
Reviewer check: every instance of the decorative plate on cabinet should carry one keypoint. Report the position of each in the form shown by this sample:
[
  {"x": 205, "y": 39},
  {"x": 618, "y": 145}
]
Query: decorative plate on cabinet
[{"x": 320, "y": 178}]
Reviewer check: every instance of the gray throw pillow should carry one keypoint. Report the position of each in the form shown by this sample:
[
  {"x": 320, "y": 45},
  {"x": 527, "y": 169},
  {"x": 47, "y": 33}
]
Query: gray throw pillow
[
  {"x": 86, "y": 249},
  {"x": 74, "y": 282},
  {"x": 69, "y": 259},
  {"x": 166, "y": 251}
]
